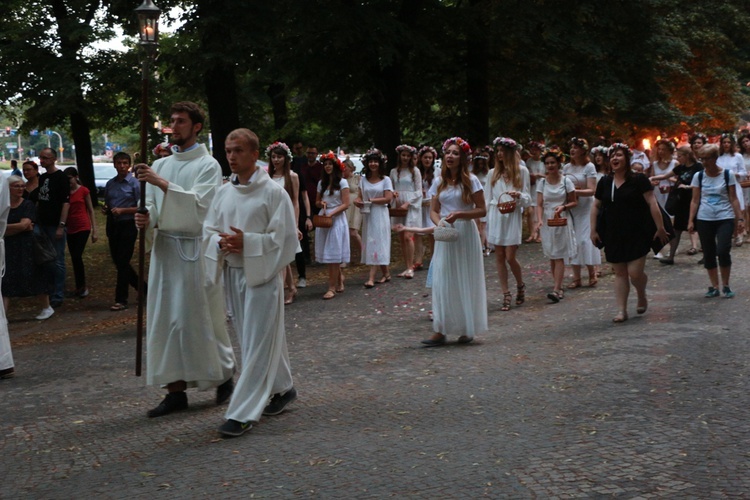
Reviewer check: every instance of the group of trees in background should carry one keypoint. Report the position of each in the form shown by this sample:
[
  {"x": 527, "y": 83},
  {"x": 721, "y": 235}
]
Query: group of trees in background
[{"x": 380, "y": 72}]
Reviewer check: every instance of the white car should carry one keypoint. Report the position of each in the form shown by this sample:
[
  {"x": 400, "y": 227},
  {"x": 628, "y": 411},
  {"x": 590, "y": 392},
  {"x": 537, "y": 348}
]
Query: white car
[{"x": 103, "y": 172}]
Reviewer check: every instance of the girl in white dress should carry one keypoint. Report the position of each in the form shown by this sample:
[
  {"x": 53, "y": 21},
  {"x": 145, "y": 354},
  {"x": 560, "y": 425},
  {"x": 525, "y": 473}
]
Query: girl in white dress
[
  {"x": 661, "y": 170},
  {"x": 555, "y": 195},
  {"x": 535, "y": 166},
  {"x": 426, "y": 163},
  {"x": 407, "y": 194},
  {"x": 459, "y": 294},
  {"x": 280, "y": 170},
  {"x": 508, "y": 181},
  {"x": 733, "y": 161},
  {"x": 583, "y": 174},
  {"x": 480, "y": 167},
  {"x": 332, "y": 243},
  {"x": 744, "y": 143},
  {"x": 375, "y": 194}
]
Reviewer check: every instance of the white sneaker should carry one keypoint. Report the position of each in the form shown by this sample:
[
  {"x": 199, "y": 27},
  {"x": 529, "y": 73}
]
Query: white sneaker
[
  {"x": 46, "y": 313},
  {"x": 658, "y": 256},
  {"x": 302, "y": 283}
]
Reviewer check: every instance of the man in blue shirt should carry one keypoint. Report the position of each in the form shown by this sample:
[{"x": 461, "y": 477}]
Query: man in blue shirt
[{"x": 121, "y": 197}]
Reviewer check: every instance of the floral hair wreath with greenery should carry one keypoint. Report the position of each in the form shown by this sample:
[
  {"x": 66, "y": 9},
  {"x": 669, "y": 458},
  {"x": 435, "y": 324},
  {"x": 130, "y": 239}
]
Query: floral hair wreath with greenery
[
  {"x": 462, "y": 144},
  {"x": 505, "y": 142},
  {"x": 405, "y": 147},
  {"x": 669, "y": 143},
  {"x": 554, "y": 153},
  {"x": 331, "y": 156},
  {"x": 619, "y": 145},
  {"x": 728, "y": 135},
  {"x": 279, "y": 145},
  {"x": 699, "y": 135},
  {"x": 427, "y": 149},
  {"x": 375, "y": 153},
  {"x": 536, "y": 144},
  {"x": 603, "y": 150},
  {"x": 580, "y": 142}
]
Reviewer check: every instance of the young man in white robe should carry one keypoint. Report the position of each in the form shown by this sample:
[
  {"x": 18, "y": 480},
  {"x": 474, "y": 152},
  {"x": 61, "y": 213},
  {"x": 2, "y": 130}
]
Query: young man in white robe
[
  {"x": 250, "y": 235},
  {"x": 7, "y": 368},
  {"x": 187, "y": 342}
]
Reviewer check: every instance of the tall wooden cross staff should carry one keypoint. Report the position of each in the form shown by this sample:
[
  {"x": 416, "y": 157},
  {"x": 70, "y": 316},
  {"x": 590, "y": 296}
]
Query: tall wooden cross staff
[{"x": 148, "y": 22}]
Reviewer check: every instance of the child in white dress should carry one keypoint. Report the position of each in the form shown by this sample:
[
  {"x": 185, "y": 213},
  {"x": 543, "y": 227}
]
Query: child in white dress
[{"x": 332, "y": 243}]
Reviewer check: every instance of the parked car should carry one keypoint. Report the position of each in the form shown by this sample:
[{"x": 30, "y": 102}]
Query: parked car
[{"x": 103, "y": 172}]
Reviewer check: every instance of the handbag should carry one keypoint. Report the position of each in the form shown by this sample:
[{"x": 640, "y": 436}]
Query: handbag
[
  {"x": 44, "y": 250},
  {"x": 445, "y": 231},
  {"x": 673, "y": 201},
  {"x": 656, "y": 244}
]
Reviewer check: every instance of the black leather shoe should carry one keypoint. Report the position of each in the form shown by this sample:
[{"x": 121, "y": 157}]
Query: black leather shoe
[
  {"x": 173, "y": 401},
  {"x": 279, "y": 402},
  {"x": 224, "y": 391}
]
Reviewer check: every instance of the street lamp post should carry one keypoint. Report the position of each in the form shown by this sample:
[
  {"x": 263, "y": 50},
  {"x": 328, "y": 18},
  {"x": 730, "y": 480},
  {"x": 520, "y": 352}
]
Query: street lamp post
[{"x": 148, "y": 33}]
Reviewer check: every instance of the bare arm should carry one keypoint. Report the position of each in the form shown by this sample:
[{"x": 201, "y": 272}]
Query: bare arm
[{"x": 90, "y": 212}]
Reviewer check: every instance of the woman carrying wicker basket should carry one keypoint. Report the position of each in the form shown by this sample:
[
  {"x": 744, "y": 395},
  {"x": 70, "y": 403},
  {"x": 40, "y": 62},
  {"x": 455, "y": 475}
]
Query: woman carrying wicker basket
[
  {"x": 459, "y": 294},
  {"x": 555, "y": 195},
  {"x": 332, "y": 242},
  {"x": 407, "y": 197},
  {"x": 506, "y": 193}
]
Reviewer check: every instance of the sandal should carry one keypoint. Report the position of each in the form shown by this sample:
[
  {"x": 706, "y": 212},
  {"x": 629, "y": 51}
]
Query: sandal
[
  {"x": 507, "y": 296},
  {"x": 385, "y": 279},
  {"x": 369, "y": 284},
  {"x": 574, "y": 284},
  {"x": 408, "y": 274},
  {"x": 555, "y": 296},
  {"x": 692, "y": 251},
  {"x": 463, "y": 339},
  {"x": 521, "y": 294},
  {"x": 118, "y": 307},
  {"x": 329, "y": 295},
  {"x": 592, "y": 282},
  {"x": 642, "y": 306},
  {"x": 289, "y": 298},
  {"x": 620, "y": 318},
  {"x": 418, "y": 266}
]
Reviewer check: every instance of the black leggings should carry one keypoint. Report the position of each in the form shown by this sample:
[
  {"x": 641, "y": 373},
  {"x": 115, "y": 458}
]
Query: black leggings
[
  {"x": 716, "y": 240},
  {"x": 76, "y": 245}
]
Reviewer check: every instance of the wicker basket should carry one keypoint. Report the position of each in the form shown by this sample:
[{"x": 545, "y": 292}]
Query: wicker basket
[
  {"x": 745, "y": 184},
  {"x": 665, "y": 188},
  {"x": 397, "y": 212},
  {"x": 322, "y": 221},
  {"x": 557, "y": 221},
  {"x": 506, "y": 207}
]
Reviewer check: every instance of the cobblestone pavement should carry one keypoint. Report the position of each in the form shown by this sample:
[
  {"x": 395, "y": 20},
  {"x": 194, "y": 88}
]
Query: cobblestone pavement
[{"x": 555, "y": 401}]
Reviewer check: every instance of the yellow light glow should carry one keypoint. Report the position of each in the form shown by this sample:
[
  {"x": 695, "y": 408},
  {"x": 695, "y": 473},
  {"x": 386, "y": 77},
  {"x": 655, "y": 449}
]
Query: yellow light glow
[{"x": 646, "y": 144}]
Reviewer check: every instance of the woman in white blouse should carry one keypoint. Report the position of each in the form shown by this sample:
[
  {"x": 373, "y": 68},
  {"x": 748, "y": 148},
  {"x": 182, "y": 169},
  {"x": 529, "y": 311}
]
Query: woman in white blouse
[
  {"x": 459, "y": 293},
  {"x": 332, "y": 243},
  {"x": 407, "y": 194},
  {"x": 733, "y": 161}
]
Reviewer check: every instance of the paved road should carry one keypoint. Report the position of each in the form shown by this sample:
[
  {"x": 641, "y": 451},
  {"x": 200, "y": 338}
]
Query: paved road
[{"x": 554, "y": 401}]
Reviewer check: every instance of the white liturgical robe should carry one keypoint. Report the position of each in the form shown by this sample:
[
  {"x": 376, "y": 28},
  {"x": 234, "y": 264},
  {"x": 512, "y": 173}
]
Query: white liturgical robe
[
  {"x": 6, "y": 355},
  {"x": 186, "y": 335},
  {"x": 264, "y": 212}
]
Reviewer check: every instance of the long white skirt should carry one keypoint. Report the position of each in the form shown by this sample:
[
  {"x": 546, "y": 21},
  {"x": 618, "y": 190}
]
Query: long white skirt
[
  {"x": 259, "y": 322},
  {"x": 332, "y": 243},
  {"x": 588, "y": 254},
  {"x": 376, "y": 237},
  {"x": 459, "y": 293},
  {"x": 6, "y": 355}
]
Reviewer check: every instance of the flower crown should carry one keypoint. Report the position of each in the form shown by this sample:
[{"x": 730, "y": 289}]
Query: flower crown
[
  {"x": 699, "y": 135},
  {"x": 375, "y": 153},
  {"x": 462, "y": 144},
  {"x": 604, "y": 150},
  {"x": 279, "y": 145},
  {"x": 505, "y": 142},
  {"x": 666, "y": 142},
  {"x": 405, "y": 147},
  {"x": 580, "y": 142},
  {"x": 427, "y": 149},
  {"x": 482, "y": 156},
  {"x": 164, "y": 146},
  {"x": 619, "y": 145},
  {"x": 536, "y": 144},
  {"x": 728, "y": 135},
  {"x": 554, "y": 153},
  {"x": 330, "y": 155}
]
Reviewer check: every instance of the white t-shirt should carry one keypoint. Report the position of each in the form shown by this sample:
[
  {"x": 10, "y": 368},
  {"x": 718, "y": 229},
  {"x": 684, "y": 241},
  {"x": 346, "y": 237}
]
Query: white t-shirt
[
  {"x": 332, "y": 200},
  {"x": 715, "y": 203},
  {"x": 451, "y": 197}
]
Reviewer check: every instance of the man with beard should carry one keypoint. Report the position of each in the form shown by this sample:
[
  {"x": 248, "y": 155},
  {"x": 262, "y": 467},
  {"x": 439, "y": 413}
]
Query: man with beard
[{"x": 186, "y": 339}]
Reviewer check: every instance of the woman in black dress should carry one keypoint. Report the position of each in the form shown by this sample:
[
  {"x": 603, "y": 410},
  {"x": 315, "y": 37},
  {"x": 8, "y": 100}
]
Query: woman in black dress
[
  {"x": 682, "y": 175},
  {"x": 23, "y": 278},
  {"x": 631, "y": 221}
]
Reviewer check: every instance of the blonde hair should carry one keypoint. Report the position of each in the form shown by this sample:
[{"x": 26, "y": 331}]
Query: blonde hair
[
  {"x": 463, "y": 176},
  {"x": 510, "y": 167},
  {"x": 687, "y": 150},
  {"x": 710, "y": 150}
]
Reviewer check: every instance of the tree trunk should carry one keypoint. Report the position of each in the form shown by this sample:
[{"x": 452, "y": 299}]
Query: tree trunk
[
  {"x": 221, "y": 94},
  {"x": 81, "y": 130},
  {"x": 276, "y": 93},
  {"x": 477, "y": 77}
]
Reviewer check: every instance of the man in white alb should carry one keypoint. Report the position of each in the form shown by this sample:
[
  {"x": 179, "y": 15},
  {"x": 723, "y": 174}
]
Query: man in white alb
[
  {"x": 186, "y": 338},
  {"x": 250, "y": 235}
]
